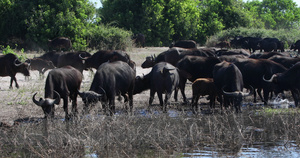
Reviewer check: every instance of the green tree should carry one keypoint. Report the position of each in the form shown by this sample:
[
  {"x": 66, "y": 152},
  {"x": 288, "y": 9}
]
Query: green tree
[
  {"x": 38, "y": 21},
  {"x": 276, "y": 14},
  {"x": 162, "y": 21}
]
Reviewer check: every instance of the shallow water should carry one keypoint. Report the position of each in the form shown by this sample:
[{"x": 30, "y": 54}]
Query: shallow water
[
  {"x": 262, "y": 145},
  {"x": 258, "y": 149}
]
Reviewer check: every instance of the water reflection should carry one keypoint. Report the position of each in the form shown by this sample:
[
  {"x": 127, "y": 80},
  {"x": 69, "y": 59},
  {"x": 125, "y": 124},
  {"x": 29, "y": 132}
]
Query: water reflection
[{"x": 256, "y": 150}]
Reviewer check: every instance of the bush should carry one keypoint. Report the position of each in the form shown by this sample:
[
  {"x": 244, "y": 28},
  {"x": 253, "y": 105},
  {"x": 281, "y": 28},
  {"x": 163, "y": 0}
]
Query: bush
[
  {"x": 288, "y": 36},
  {"x": 7, "y": 50},
  {"x": 108, "y": 37}
]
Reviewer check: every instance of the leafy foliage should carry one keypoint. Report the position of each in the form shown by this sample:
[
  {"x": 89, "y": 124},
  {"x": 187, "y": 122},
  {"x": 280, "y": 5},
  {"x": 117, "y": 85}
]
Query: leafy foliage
[
  {"x": 7, "y": 50},
  {"x": 30, "y": 24},
  {"x": 289, "y": 36}
]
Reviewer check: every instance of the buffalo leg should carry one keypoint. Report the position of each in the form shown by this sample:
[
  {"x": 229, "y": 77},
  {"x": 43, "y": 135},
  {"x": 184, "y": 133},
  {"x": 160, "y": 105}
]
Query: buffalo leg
[
  {"x": 167, "y": 97},
  {"x": 176, "y": 94},
  {"x": 212, "y": 101},
  {"x": 152, "y": 93},
  {"x": 74, "y": 106},
  {"x": 195, "y": 103},
  {"x": 112, "y": 108},
  {"x": 266, "y": 96},
  {"x": 130, "y": 96},
  {"x": 67, "y": 117},
  {"x": 295, "y": 94},
  {"x": 160, "y": 97},
  {"x": 12, "y": 79},
  {"x": 182, "y": 87}
]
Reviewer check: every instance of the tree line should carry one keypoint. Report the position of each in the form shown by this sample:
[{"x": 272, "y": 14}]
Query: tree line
[{"x": 30, "y": 24}]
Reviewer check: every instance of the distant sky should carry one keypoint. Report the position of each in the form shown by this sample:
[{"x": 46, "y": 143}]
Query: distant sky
[{"x": 99, "y": 3}]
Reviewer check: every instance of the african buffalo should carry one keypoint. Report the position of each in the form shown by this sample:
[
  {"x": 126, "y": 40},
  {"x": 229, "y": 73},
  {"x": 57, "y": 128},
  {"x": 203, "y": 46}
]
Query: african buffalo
[
  {"x": 40, "y": 65},
  {"x": 51, "y": 56},
  {"x": 111, "y": 79},
  {"x": 184, "y": 44},
  {"x": 60, "y": 43},
  {"x": 228, "y": 79},
  {"x": 287, "y": 62},
  {"x": 103, "y": 56},
  {"x": 202, "y": 87},
  {"x": 288, "y": 80},
  {"x": 173, "y": 55},
  {"x": 253, "y": 71},
  {"x": 10, "y": 66},
  {"x": 250, "y": 43},
  {"x": 233, "y": 52},
  {"x": 74, "y": 59},
  {"x": 163, "y": 78},
  {"x": 139, "y": 40},
  {"x": 62, "y": 83},
  {"x": 266, "y": 55},
  {"x": 271, "y": 44},
  {"x": 193, "y": 67},
  {"x": 296, "y": 46}
]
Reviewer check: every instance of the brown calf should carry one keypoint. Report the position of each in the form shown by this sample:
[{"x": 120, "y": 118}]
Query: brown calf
[{"x": 202, "y": 87}]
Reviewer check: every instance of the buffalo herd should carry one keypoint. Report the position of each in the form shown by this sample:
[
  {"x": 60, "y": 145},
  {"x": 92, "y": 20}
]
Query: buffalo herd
[{"x": 255, "y": 65}]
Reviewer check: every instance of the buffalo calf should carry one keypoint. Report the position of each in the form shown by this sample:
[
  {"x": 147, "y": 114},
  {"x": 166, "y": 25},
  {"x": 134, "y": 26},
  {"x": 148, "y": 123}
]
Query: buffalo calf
[{"x": 202, "y": 87}]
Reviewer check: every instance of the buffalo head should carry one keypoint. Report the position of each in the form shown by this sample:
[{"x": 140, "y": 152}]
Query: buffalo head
[
  {"x": 149, "y": 62},
  {"x": 22, "y": 67},
  {"x": 91, "y": 97},
  {"x": 47, "y": 104}
]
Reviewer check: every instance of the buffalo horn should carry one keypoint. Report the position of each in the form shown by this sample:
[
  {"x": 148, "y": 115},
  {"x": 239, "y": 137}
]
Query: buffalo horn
[
  {"x": 28, "y": 61},
  {"x": 57, "y": 99},
  {"x": 15, "y": 62},
  {"x": 270, "y": 80},
  {"x": 238, "y": 93},
  {"x": 38, "y": 103},
  {"x": 80, "y": 56}
]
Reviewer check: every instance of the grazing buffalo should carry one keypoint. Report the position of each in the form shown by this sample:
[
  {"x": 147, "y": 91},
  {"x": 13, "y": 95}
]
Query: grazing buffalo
[
  {"x": 51, "y": 56},
  {"x": 74, "y": 59},
  {"x": 41, "y": 65},
  {"x": 184, "y": 44},
  {"x": 62, "y": 83},
  {"x": 10, "y": 66},
  {"x": 287, "y": 62},
  {"x": 103, "y": 56},
  {"x": 296, "y": 46},
  {"x": 228, "y": 79},
  {"x": 60, "y": 43},
  {"x": 202, "y": 87},
  {"x": 139, "y": 40},
  {"x": 288, "y": 80},
  {"x": 193, "y": 67},
  {"x": 111, "y": 79},
  {"x": 163, "y": 78},
  {"x": 253, "y": 71}
]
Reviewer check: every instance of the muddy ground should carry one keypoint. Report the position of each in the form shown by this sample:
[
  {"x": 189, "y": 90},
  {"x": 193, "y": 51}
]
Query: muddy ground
[{"x": 17, "y": 103}]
